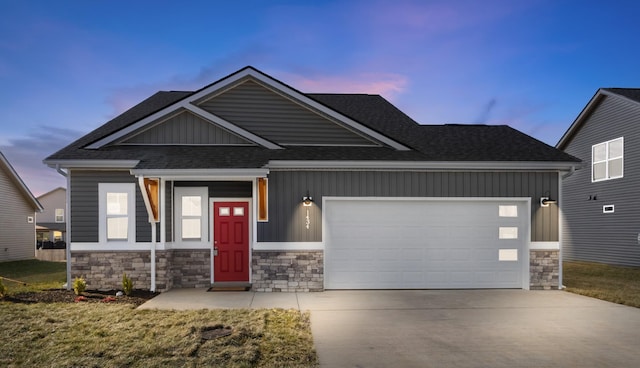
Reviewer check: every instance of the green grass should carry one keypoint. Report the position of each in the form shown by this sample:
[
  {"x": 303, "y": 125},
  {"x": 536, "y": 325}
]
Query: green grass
[
  {"x": 108, "y": 335},
  {"x": 38, "y": 275},
  {"x": 611, "y": 283}
]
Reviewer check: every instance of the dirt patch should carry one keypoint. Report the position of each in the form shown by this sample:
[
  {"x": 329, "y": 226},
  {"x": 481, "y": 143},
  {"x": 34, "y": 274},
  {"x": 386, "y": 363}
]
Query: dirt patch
[{"x": 137, "y": 297}]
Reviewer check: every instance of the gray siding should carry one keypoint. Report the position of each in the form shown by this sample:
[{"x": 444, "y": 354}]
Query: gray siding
[
  {"x": 84, "y": 204},
  {"x": 50, "y": 202},
  {"x": 589, "y": 234},
  {"x": 287, "y": 216},
  {"x": 186, "y": 128},
  {"x": 271, "y": 116},
  {"x": 18, "y": 236}
]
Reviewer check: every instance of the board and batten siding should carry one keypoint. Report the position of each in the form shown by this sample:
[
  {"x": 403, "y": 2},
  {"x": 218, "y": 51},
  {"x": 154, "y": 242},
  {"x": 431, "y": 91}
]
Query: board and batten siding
[
  {"x": 17, "y": 234},
  {"x": 278, "y": 119},
  {"x": 287, "y": 216},
  {"x": 84, "y": 204},
  {"x": 186, "y": 129},
  {"x": 588, "y": 233}
]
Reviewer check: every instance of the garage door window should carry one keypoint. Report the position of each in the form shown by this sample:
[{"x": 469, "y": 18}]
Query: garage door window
[
  {"x": 508, "y": 233},
  {"x": 508, "y": 211}
]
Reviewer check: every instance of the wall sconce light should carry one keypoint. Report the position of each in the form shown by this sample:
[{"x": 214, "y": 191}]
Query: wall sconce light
[
  {"x": 307, "y": 200},
  {"x": 545, "y": 201}
]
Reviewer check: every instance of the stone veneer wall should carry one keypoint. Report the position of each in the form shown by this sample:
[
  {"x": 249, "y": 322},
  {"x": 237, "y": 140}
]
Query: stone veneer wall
[
  {"x": 191, "y": 268},
  {"x": 288, "y": 271},
  {"x": 175, "y": 268},
  {"x": 544, "y": 269},
  {"x": 103, "y": 270}
]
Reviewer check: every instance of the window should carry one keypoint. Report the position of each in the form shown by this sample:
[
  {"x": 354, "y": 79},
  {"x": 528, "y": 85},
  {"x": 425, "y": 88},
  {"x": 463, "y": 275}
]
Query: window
[
  {"x": 117, "y": 212},
  {"x": 59, "y": 215},
  {"x": 607, "y": 160},
  {"x": 191, "y": 213}
]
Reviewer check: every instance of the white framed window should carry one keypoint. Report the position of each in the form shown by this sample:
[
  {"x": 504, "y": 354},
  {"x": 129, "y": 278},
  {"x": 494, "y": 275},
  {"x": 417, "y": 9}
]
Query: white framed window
[
  {"x": 59, "y": 215},
  {"x": 607, "y": 160},
  {"x": 117, "y": 212},
  {"x": 191, "y": 206}
]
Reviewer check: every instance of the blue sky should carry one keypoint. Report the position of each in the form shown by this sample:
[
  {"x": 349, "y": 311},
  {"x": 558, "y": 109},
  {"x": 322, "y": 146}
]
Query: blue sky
[{"x": 67, "y": 67}]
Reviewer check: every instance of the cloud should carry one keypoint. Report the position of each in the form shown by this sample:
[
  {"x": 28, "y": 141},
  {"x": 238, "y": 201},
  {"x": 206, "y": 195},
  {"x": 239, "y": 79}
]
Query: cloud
[
  {"x": 389, "y": 85},
  {"x": 26, "y": 154}
]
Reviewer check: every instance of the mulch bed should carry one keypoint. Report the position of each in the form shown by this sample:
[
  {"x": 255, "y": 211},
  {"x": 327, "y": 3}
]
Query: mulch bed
[{"x": 136, "y": 298}]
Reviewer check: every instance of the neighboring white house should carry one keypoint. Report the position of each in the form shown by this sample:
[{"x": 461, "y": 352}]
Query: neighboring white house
[{"x": 18, "y": 209}]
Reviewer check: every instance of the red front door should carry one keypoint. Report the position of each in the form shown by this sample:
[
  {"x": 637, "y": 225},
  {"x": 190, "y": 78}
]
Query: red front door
[{"x": 231, "y": 239}]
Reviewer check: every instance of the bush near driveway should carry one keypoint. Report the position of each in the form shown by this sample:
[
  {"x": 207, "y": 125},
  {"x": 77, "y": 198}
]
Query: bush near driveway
[
  {"x": 615, "y": 284},
  {"x": 107, "y": 335}
]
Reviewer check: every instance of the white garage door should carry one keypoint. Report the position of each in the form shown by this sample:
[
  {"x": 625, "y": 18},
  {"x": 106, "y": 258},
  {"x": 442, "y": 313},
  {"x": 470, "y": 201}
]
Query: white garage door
[{"x": 425, "y": 243}]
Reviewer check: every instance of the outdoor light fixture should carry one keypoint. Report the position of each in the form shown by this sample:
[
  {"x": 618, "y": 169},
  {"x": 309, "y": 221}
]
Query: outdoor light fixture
[
  {"x": 307, "y": 200},
  {"x": 545, "y": 201}
]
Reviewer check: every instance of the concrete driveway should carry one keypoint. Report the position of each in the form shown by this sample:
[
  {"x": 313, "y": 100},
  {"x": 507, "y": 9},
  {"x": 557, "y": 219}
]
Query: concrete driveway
[{"x": 449, "y": 328}]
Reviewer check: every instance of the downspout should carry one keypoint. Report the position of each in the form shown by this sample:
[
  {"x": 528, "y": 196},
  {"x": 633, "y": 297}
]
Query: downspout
[
  {"x": 67, "y": 223},
  {"x": 562, "y": 177}
]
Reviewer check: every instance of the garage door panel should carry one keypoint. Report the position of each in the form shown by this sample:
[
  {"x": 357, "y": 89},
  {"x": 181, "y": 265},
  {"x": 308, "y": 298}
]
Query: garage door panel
[{"x": 422, "y": 244}]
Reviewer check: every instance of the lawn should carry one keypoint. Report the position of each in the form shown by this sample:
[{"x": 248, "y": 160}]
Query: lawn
[
  {"x": 38, "y": 275},
  {"x": 118, "y": 335},
  {"x": 612, "y": 283}
]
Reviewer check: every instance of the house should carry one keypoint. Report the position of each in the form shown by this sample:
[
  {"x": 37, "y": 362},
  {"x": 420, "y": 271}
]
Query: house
[
  {"x": 601, "y": 212},
  {"x": 18, "y": 208},
  {"x": 249, "y": 181},
  {"x": 51, "y": 226}
]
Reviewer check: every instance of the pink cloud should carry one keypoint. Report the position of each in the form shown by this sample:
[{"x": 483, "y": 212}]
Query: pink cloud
[{"x": 389, "y": 85}]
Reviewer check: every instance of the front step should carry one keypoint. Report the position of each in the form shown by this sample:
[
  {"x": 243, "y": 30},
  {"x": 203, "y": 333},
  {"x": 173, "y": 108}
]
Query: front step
[{"x": 230, "y": 286}]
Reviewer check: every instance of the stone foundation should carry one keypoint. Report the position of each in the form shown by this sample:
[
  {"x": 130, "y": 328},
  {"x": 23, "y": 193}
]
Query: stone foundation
[
  {"x": 288, "y": 271},
  {"x": 191, "y": 268},
  {"x": 544, "y": 269},
  {"x": 103, "y": 270},
  {"x": 175, "y": 268}
]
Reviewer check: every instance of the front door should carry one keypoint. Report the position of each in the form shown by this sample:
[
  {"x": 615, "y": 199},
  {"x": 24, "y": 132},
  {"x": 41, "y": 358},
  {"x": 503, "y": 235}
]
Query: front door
[{"x": 231, "y": 241}]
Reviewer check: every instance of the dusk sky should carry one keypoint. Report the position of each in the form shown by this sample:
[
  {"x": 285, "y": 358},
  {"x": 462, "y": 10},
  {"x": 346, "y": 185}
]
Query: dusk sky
[{"x": 67, "y": 67}]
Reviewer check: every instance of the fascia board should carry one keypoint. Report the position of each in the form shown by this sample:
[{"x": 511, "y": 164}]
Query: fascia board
[
  {"x": 424, "y": 165},
  {"x": 202, "y": 174},
  {"x": 91, "y": 164}
]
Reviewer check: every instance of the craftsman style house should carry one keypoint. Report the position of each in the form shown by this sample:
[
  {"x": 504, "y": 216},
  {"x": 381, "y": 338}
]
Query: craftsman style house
[
  {"x": 600, "y": 206},
  {"x": 249, "y": 181}
]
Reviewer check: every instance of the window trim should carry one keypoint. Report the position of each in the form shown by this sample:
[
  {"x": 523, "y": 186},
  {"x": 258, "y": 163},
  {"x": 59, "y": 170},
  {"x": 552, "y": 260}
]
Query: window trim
[
  {"x": 607, "y": 160},
  {"x": 55, "y": 215},
  {"x": 203, "y": 193},
  {"x": 130, "y": 190}
]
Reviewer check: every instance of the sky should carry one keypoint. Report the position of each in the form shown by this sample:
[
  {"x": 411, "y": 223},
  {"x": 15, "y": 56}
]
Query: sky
[{"x": 67, "y": 67}]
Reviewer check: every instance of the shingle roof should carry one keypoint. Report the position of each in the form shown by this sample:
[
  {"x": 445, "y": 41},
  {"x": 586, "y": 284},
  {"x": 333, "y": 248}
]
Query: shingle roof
[
  {"x": 429, "y": 142},
  {"x": 631, "y": 93}
]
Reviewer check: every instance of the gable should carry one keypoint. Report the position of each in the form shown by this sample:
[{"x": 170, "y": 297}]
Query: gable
[
  {"x": 256, "y": 108},
  {"x": 610, "y": 117},
  {"x": 184, "y": 128}
]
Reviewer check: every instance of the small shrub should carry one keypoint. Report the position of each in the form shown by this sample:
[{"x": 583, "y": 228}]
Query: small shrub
[
  {"x": 127, "y": 284},
  {"x": 3, "y": 289},
  {"x": 79, "y": 285}
]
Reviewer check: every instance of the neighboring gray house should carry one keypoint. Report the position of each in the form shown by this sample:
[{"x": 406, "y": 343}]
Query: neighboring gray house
[
  {"x": 600, "y": 207},
  {"x": 250, "y": 181},
  {"x": 18, "y": 209},
  {"x": 51, "y": 225}
]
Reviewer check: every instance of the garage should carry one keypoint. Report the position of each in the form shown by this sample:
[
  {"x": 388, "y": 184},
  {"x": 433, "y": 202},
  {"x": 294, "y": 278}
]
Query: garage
[{"x": 426, "y": 243}]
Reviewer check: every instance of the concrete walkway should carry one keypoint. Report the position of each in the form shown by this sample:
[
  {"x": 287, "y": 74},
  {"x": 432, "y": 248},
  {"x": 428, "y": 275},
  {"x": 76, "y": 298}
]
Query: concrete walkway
[{"x": 448, "y": 328}]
